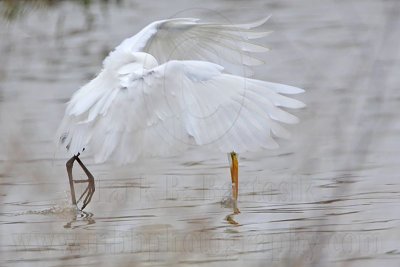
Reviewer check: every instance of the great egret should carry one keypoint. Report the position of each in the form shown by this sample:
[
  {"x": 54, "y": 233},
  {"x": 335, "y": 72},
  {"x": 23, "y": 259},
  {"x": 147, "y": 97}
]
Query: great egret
[{"x": 164, "y": 90}]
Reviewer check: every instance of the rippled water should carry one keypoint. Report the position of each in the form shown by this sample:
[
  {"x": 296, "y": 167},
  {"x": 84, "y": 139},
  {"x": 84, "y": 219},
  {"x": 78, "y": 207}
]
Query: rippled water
[{"x": 328, "y": 197}]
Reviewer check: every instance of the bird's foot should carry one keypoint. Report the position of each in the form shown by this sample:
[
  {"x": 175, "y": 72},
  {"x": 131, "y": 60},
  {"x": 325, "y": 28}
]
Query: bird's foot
[
  {"x": 235, "y": 206},
  {"x": 87, "y": 193},
  {"x": 230, "y": 202}
]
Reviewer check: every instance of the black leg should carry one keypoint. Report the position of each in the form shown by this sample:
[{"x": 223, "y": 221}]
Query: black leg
[
  {"x": 91, "y": 186},
  {"x": 90, "y": 189},
  {"x": 70, "y": 164}
]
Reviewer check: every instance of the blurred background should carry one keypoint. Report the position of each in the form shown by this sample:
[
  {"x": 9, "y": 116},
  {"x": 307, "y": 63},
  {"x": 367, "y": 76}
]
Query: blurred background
[{"x": 328, "y": 197}]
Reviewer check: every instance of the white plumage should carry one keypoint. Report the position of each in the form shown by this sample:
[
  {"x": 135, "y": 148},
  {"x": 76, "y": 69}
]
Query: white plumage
[{"x": 159, "y": 94}]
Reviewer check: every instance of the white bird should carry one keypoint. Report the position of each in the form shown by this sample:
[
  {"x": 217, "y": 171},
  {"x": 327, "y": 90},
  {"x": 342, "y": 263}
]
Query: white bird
[{"x": 177, "y": 84}]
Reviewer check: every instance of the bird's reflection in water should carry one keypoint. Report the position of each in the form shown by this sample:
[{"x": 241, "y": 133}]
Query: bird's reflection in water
[
  {"x": 82, "y": 218},
  {"x": 229, "y": 202},
  {"x": 230, "y": 218}
]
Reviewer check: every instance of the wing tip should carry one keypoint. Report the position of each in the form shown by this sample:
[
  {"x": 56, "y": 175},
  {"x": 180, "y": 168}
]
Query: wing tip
[{"x": 257, "y": 23}]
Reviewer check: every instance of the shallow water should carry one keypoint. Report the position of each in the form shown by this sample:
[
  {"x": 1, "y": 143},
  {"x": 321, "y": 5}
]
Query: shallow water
[{"x": 328, "y": 197}]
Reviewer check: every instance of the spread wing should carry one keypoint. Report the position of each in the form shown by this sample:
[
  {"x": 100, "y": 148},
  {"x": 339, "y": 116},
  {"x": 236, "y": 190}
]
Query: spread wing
[
  {"x": 175, "y": 106},
  {"x": 228, "y": 45}
]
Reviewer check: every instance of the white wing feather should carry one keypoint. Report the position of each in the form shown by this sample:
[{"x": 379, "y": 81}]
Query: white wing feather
[
  {"x": 188, "y": 39},
  {"x": 175, "y": 106}
]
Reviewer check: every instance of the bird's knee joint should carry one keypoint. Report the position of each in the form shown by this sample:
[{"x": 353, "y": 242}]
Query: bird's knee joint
[{"x": 70, "y": 163}]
